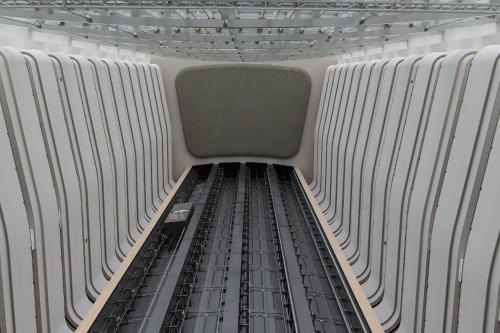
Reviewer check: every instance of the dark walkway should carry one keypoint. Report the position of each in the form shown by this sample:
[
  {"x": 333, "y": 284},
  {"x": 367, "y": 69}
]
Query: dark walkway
[{"x": 251, "y": 258}]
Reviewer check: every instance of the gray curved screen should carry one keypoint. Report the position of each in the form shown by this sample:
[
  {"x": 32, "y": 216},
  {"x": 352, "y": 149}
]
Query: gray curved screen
[{"x": 230, "y": 110}]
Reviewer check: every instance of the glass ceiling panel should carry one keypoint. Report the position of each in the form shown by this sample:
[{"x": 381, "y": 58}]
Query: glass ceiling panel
[{"x": 266, "y": 30}]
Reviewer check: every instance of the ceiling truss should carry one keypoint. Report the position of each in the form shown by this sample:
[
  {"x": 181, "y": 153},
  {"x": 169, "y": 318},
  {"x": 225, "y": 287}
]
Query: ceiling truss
[{"x": 245, "y": 30}]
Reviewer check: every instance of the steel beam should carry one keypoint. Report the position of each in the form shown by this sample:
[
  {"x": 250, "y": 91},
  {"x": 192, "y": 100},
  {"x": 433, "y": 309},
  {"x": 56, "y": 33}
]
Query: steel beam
[{"x": 361, "y": 6}]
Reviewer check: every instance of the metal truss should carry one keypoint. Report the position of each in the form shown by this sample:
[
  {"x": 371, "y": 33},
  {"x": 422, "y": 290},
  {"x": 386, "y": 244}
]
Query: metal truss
[
  {"x": 370, "y": 5},
  {"x": 245, "y": 30}
]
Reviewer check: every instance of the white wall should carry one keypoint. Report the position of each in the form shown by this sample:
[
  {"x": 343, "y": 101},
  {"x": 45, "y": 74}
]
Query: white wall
[
  {"x": 21, "y": 37},
  {"x": 471, "y": 37},
  {"x": 170, "y": 67}
]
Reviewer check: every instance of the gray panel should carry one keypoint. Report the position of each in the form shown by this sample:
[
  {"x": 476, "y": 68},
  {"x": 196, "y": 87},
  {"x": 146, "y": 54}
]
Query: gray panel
[
  {"x": 461, "y": 185},
  {"x": 139, "y": 145},
  {"x": 129, "y": 161},
  {"x": 418, "y": 220},
  {"x": 145, "y": 135},
  {"x": 440, "y": 129},
  {"x": 335, "y": 216},
  {"x": 17, "y": 302},
  {"x": 70, "y": 208},
  {"x": 396, "y": 210},
  {"x": 329, "y": 130},
  {"x": 350, "y": 145},
  {"x": 157, "y": 126},
  {"x": 67, "y": 189},
  {"x": 352, "y": 251},
  {"x": 101, "y": 148},
  {"x": 333, "y": 140},
  {"x": 116, "y": 152},
  {"x": 165, "y": 114},
  {"x": 243, "y": 110},
  {"x": 159, "y": 118},
  {"x": 389, "y": 146},
  {"x": 152, "y": 130},
  {"x": 362, "y": 267},
  {"x": 28, "y": 145},
  {"x": 95, "y": 274},
  {"x": 338, "y": 77},
  {"x": 479, "y": 299},
  {"x": 320, "y": 124}
]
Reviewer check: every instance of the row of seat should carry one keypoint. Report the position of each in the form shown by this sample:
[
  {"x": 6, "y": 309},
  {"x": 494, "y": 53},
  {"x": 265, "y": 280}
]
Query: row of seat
[
  {"x": 406, "y": 170},
  {"x": 85, "y": 162}
]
